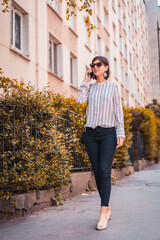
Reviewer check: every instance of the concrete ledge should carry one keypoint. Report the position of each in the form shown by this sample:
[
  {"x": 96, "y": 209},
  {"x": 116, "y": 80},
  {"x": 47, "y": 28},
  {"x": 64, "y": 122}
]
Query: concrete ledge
[
  {"x": 22, "y": 204},
  {"x": 142, "y": 163},
  {"x": 120, "y": 173},
  {"x": 78, "y": 185}
]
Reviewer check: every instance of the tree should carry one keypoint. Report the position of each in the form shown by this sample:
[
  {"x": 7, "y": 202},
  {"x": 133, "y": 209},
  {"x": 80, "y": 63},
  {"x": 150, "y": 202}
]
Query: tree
[
  {"x": 85, "y": 5},
  {"x": 5, "y": 3},
  {"x": 80, "y": 5},
  {"x": 155, "y": 106}
]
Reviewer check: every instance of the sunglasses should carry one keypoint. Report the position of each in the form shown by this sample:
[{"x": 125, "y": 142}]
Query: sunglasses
[{"x": 99, "y": 64}]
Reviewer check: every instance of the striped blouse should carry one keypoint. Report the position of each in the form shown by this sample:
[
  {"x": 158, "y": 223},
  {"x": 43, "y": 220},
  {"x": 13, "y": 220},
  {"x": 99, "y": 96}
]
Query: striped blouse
[{"x": 104, "y": 107}]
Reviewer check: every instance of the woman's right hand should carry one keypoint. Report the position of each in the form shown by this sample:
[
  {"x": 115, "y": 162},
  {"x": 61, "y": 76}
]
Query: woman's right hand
[{"x": 87, "y": 75}]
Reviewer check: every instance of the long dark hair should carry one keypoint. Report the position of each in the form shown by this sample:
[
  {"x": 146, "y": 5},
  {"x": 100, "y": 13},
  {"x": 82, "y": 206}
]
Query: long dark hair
[{"x": 106, "y": 63}]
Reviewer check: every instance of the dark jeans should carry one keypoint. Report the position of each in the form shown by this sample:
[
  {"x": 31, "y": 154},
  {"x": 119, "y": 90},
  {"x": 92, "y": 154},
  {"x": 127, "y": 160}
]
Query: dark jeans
[{"x": 101, "y": 147}]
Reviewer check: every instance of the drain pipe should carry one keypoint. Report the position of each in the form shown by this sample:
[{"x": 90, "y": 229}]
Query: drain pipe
[{"x": 36, "y": 40}]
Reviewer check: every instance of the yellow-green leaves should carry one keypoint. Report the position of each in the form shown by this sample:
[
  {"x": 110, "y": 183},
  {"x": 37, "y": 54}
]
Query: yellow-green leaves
[
  {"x": 5, "y": 3},
  {"x": 122, "y": 156},
  {"x": 149, "y": 129}
]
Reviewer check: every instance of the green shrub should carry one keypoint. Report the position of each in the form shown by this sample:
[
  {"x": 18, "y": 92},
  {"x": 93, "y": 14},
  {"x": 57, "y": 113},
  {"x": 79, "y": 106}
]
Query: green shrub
[
  {"x": 122, "y": 156},
  {"x": 149, "y": 130},
  {"x": 45, "y": 156},
  {"x": 158, "y": 138}
]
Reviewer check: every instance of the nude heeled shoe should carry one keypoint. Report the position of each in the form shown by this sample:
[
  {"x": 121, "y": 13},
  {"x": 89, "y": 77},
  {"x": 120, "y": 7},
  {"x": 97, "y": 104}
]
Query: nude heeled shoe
[
  {"x": 102, "y": 226},
  {"x": 109, "y": 217}
]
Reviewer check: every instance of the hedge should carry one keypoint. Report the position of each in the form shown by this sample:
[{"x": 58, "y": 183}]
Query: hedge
[{"x": 45, "y": 158}]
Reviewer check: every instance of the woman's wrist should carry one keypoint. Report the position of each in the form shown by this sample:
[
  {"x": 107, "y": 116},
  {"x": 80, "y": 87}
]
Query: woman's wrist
[{"x": 86, "y": 80}]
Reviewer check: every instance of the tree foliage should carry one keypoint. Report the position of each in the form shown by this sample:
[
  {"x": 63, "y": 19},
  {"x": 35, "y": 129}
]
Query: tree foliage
[
  {"x": 5, "y": 3},
  {"x": 155, "y": 106},
  {"x": 45, "y": 156},
  {"x": 148, "y": 124},
  {"x": 81, "y": 5},
  {"x": 122, "y": 156},
  {"x": 36, "y": 149},
  {"x": 71, "y": 6}
]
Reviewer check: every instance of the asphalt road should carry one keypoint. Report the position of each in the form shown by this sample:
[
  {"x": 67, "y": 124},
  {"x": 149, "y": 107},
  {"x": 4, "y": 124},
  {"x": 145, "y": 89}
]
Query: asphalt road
[{"x": 135, "y": 205}]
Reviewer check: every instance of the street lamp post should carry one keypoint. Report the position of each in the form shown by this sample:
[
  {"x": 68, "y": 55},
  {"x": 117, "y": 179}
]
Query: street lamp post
[{"x": 158, "y": 30}]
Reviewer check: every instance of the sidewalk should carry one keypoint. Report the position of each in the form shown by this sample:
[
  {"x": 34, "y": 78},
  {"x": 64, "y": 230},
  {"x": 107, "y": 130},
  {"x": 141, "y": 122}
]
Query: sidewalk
[{"x": 135, "y": 204}]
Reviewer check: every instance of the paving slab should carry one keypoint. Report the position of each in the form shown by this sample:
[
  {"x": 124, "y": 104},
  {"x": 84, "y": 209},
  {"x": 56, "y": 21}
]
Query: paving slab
[{"x": 135, "y": 205}]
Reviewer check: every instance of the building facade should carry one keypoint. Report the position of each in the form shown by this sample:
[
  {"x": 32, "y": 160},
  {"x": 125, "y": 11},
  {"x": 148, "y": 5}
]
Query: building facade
[
  {"x": 153, "y": 15},
  {"x": 38, "y": 44}
]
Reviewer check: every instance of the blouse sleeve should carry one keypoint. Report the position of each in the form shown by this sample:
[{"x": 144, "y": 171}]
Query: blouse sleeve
[
  {"x": 83, "y": 92},
  {"x": 118, "y": 110}
]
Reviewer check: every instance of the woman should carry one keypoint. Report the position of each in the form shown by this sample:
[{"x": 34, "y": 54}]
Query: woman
[{"x": 104, "y": 128}]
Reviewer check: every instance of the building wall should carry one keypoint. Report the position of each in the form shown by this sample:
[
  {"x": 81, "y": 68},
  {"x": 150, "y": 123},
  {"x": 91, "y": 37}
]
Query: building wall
[
  {"x": 59, "y": 51},
  {"x": 16, "y": 64},
  {"x": 153, "y": 14}
]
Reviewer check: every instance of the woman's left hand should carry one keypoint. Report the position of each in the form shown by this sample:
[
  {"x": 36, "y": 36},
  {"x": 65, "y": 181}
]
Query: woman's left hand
[{"x": 120, "y": 141}]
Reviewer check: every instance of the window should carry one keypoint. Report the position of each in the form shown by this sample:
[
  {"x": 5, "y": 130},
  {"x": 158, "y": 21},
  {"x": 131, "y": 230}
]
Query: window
[
  {"x": 123, "y": 76},
  {"x": 98, "y": 7},
  {"x": 73, "y": 70},
  {"x": 133, "y": 41},
  {"x": 113, "y": 4},
  {"x": 114, "y": 33},
  {"x": 72, "y": 18},
  {"x": 124, "y": 23},
  {"x": 99, "y": 43},
  {"x": 130, "y": 60},
  {"x": 72, "y": 21},
  {"x": 106, "y": 24},
  {"x": 134, "y": 67},
  {"x": 20, "y": 31},
  {"x": 129, "y": 32},
  {"x": 53, "y": 57},
  {"x": 136, "y": 24},
  {"x": 55, "y": 63},
  {"x": 142, "y": 103},
  {"x": 132, "y": 16},
  {"x": 125, "y": 53},
  {"x": 122, "y": 80},
  {"x": 138, "y": 12},
  {"x": 137, "y": 70},
  {"x": 115, "y": 68},
  {"x": 120, "y": 44},
  {"x": 138, "y": 95},
  {"x": 86, "y": 38},
  {"x": 128, "y": 6},
  {"x": 107, "y": 54},
  {"x": 120, "y": 13},
  {"x": 127, "y": 82},
  {"x": 54, "y": 4}
]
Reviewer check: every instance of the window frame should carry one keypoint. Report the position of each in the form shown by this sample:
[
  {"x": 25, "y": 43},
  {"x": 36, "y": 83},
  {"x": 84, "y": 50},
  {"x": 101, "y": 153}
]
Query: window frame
[
  {"x": 15, "y": 11},
  {"x": 72, "y": 22},
  {"x": 54, "y": 5},
  {"x": 73, "y": 70},
  {"x": 52, "y": 66}
]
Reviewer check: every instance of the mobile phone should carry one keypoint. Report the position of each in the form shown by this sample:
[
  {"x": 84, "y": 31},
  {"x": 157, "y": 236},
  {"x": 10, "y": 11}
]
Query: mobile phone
[{"x": 91, "y": 75}]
